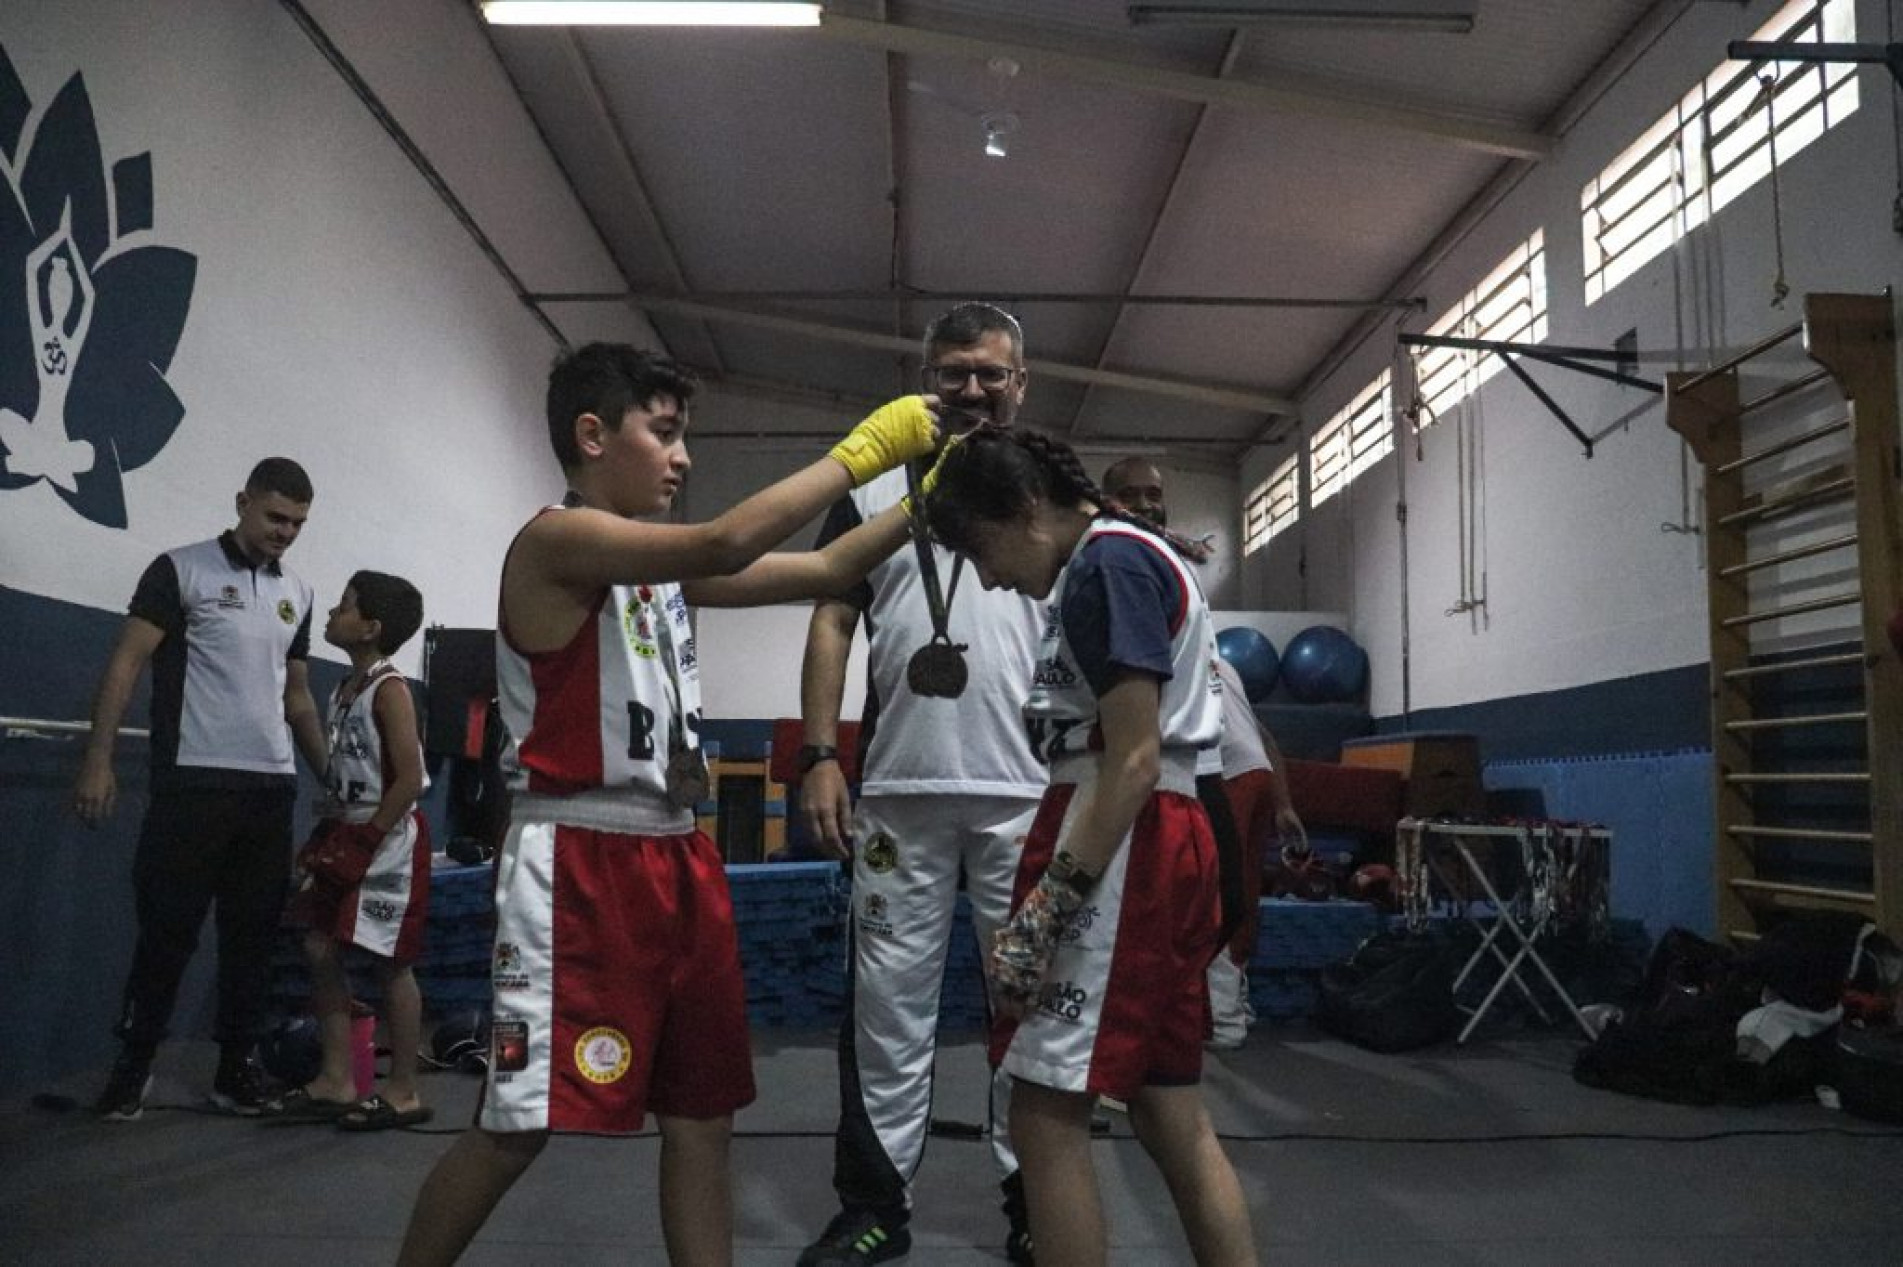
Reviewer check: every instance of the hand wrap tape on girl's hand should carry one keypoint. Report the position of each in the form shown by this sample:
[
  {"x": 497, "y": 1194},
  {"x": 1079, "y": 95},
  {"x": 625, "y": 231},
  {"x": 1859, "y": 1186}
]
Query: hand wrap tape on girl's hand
[
  {"x": 1021, "y": 952},
  {"x": 892, "y": 435}
]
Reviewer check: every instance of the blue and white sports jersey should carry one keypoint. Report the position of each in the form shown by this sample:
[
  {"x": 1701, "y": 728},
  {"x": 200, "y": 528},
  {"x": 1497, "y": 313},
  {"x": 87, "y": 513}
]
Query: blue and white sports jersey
[{"x": 1124, "y": 602}]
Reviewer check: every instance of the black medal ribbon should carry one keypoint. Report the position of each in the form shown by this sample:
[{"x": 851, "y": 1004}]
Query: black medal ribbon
[
  {"x": 688, "y": 782},
  {"x": 685, "y": 779},
  {"x": 937, "y": 669}
]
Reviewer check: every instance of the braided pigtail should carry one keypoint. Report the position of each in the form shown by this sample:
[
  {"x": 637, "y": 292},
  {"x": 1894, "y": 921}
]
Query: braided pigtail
[
  {"x": 1071, "y": 485},
  {"x": 1066, "y": 482},
  {"x": 994, "y": 475}
]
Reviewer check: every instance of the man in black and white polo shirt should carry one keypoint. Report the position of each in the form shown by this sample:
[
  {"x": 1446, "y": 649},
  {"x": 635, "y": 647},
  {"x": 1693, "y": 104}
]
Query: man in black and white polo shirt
[{"x": 227, "y": 630}]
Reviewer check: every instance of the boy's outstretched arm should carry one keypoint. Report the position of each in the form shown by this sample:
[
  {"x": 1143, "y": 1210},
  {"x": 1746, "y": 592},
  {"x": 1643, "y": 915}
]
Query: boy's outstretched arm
[
  {"x": 793, "y": 575},
  {"x": 586, "y": 549}
]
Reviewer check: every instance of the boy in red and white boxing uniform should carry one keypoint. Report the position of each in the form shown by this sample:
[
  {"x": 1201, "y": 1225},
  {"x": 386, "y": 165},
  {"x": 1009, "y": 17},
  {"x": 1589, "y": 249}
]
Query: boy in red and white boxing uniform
[
  {"x": 371, "y": 785},
  {"x": 616, "y": 970}
]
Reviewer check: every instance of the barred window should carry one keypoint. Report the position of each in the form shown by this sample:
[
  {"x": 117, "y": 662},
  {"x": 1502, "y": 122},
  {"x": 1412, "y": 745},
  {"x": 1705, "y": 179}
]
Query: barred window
[
  {"x": 1715, "y": 144},
  {"x": 1508, "y": 307},
  {"x": 1274, "y": 505},
  {"x": 1350, "y": 442}
]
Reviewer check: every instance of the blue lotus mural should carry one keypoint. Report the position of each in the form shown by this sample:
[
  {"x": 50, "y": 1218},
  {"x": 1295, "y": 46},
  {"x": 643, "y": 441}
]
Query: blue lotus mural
[{"x": 90, "y": 309}]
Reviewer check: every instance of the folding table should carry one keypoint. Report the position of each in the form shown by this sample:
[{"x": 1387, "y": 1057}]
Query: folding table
[{"x": 1562, "y": 877}]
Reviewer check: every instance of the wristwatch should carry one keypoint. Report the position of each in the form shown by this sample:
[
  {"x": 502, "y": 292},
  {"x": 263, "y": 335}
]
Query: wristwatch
[
  {"x": 1065, "y": 867},
  {"x": 813, "y": 753}
]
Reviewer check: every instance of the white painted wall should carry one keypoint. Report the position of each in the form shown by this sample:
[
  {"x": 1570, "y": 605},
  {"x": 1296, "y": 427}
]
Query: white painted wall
[
  {"x": 750, "y": 663},
  {"x": 1583, "y": 582},
  {"x": 341, "y": 316}
]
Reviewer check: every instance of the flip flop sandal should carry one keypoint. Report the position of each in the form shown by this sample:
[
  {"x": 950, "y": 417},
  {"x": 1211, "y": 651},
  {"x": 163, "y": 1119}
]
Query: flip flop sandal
[
  {"x": 298, "y": 1105},
  {"x": 378, "y": 1114}
]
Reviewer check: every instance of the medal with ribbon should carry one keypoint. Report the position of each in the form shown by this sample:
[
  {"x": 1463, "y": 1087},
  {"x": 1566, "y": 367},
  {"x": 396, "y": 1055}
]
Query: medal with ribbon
[
  {"x": 685, "y": 777},
  {"x": 936, "y": 669}
]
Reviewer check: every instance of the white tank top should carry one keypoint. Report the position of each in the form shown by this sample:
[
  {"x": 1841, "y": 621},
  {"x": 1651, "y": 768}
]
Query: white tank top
[
  {"x": 1062, "y": 708},
  {"x": 359, "y": 768},
  {"x": 597, "y": 715}
]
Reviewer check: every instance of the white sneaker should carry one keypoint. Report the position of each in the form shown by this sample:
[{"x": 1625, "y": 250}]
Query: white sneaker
[{"x": 1228, "y": 1006}]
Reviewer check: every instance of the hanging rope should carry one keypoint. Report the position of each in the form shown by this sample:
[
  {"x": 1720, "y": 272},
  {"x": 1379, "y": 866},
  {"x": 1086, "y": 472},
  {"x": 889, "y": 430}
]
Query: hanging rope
[
  {"x": 1896, "y": 121},
  {"x": 1767, "y": 90},
  {"x": 1680, "y": 248}
]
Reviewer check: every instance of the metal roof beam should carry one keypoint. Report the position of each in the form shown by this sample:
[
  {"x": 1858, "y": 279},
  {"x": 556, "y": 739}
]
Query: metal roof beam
[
  {"x": 1288, "y": 96},
  {"x": 1220, "y": 397}
]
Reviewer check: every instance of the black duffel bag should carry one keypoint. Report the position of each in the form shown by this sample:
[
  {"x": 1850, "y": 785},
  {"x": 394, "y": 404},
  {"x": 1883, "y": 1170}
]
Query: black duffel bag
[
  {"x": 1395, "y": 993},
  {"x": 1870, "y": 1072}
]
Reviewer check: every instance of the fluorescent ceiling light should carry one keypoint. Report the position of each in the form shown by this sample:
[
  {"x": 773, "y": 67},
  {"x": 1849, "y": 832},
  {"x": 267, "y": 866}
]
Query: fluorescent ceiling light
[
  {"x": 1456, "y": 16},
  {"x": 650, "y": 13}
]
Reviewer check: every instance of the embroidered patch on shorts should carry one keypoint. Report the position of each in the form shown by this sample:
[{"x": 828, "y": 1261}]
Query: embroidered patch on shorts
[
  {"x": 509, "y": 1045},
  {"x": 603, "y": 1054},
  {"x": 882, "y": 853}
]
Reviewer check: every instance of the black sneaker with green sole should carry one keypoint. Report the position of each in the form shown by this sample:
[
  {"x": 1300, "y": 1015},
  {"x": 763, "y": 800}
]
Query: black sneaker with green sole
[{"x": 858, "y": 1236}]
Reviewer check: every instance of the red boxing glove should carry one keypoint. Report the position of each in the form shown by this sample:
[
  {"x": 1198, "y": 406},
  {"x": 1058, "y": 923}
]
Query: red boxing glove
[{"x": 338, "y": 854}]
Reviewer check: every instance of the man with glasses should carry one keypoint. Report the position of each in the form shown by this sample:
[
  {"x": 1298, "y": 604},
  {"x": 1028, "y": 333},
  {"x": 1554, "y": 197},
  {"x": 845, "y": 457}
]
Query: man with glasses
[{"x": 948, "y": 789}]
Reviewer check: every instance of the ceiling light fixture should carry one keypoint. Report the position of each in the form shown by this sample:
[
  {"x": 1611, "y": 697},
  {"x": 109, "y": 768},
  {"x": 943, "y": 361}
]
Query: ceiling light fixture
[
  {"x": 1455, "y": 16},
  {"x": 998, "y": 130},
  {"x": 650, "y": 13}
]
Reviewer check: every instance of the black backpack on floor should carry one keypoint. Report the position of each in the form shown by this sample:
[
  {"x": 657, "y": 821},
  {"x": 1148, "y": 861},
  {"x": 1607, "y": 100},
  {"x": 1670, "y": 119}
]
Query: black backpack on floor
[{"x": 1395, "y": 993}]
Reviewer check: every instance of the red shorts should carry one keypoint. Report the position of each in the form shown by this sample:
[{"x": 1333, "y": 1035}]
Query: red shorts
[
  {"x": 1252, "y": 805},
  {"x": 1125, "y": 1003},
  {"x": 617, "y": 983},
  {"x": 387, "y": 912}
]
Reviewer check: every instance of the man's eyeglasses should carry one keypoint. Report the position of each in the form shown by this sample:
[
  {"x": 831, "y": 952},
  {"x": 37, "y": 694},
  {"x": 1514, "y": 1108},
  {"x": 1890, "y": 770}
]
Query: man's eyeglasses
[{"x": 949, "y": 380}]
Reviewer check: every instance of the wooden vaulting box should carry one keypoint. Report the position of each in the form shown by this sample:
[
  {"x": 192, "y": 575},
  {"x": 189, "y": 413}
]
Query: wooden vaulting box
[{"x": 1442, "y": 769}]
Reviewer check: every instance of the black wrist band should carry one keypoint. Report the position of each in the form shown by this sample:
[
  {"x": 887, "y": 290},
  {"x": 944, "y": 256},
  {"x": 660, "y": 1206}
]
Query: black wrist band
[{"x": 813, "y": 753}]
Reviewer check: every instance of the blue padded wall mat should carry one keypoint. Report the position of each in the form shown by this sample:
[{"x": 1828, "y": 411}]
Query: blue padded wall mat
[{"x": 1659, "y": 807}]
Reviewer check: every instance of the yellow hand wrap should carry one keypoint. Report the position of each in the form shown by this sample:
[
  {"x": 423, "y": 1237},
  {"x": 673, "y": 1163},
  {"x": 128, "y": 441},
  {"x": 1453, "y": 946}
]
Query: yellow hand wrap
[
  {"x": 891, "y": 435},
  {"x": 930, "y": 482}
]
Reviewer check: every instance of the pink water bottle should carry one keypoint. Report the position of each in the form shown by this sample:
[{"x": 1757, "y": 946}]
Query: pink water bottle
[{"x": 363, "y": 1048}]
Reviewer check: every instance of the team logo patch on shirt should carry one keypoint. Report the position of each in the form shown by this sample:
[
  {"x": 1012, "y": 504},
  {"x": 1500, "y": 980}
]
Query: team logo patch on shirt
[
  {"x": 603, "y": 1054},
  {"x": 287, "y": 611},
  {"x": 881, "y": 853},
  {"x": 229, "y": 597},
  {"x": 638, "y": 623},
  {"x": 1054, "y": 672}
]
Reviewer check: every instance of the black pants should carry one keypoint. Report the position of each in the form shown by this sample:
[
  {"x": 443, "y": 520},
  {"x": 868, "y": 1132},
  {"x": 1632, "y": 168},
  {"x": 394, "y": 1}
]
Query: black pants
[{"x": 199, "y": 848}]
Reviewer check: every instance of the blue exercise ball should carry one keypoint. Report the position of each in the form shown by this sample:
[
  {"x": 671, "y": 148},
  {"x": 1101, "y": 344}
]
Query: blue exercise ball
[
  {"x": 1253, "y": 658},
  {"x": 1323, "y": 665}
]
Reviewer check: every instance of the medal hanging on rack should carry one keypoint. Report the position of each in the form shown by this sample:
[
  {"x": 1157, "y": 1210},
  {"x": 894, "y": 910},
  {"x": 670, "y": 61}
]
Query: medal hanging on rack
[{"x": 937, "y": 669}]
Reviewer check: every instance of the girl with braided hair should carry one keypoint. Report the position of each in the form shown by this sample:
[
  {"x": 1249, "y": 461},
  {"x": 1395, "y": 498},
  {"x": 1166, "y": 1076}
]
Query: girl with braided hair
[{"x": 1098, "y": 977}]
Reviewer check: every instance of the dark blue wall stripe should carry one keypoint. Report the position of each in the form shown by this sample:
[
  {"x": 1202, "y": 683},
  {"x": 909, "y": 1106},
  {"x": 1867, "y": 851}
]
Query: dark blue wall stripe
[{"x": 1665, "y": 711}]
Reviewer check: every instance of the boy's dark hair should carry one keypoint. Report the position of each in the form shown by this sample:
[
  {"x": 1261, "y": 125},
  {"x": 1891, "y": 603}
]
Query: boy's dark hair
[
  {"x": 391, "y": 600},
  {"x": 279, "y": 475},
  {"x": 607, "y": 380},
  {"x": 967, "y": 324}
]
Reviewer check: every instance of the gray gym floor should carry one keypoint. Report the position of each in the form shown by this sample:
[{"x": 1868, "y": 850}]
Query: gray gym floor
[{"x": 1484, "y": 1155}]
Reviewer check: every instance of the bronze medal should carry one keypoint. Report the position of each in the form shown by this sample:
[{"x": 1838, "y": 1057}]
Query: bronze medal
[
  {"x": 937, "y": 670},
  {"x": 688, "y": 783}
]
